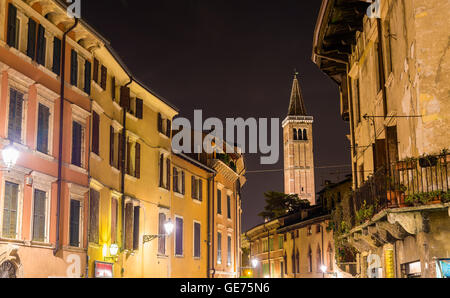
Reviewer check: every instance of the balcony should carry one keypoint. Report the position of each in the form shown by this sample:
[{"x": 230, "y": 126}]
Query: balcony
[{"x": 408, "y": 183}]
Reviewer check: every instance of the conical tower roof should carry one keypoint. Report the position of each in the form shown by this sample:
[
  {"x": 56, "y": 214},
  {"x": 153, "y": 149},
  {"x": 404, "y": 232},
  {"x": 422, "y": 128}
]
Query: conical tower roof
[{"x": 296, "y": 105}]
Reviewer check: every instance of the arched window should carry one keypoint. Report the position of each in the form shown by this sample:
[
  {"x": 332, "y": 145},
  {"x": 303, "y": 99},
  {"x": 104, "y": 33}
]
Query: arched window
[
  {"x": 319, "y": 259},
  {"x": 297, "y": 261},
  {"x": 305, "y": 135},
  {"x": 309, "y": 260},
  {"x": 300, "y": 137},
  {"x": 330, "y": 257},
  {"x": 295, "y": 135}
]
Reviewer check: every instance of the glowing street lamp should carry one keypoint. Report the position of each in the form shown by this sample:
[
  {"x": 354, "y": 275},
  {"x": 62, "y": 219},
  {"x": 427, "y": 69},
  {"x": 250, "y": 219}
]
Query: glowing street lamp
[
  {"x": 10, "y": 156},
  {"x": 323, "y": 268},
  {"x": 255, "y": 263},
  {"x": 168, "y": 226}
]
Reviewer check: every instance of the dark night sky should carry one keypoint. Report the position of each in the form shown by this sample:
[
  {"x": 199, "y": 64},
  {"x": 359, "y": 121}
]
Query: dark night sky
[{"x": 230, "y": 58}]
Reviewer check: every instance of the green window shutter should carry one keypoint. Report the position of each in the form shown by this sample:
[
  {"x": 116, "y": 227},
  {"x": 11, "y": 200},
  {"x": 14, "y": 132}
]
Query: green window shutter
[
  {"x": 31, "y": 47},
  {"x": 87, "y": 77},
  {"x": 56, "y": 56},
  {"x": 43, "y": 125},
  {"x": 40, "y": 198},
  {"x": 12, "y": 17},
  {"x": 41, "y": 46},
  {"x": 10, "y": 210}
]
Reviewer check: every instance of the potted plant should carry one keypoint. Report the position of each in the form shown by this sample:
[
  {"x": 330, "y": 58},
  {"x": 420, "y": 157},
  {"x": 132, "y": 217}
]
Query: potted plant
[
  {"x": 407, "y": 164},
  {"x": 428, "y": 161},
  {"x": 395, "y": 193}
]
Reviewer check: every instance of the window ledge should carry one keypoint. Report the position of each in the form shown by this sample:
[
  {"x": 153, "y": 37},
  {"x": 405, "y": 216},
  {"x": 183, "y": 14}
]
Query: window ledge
[
  {"x": 163, "y": 135},
  {"x": 96, "y": 157},
  {"x": 44, "y": 156},
  {"x": 129, "y": 177},
  {"x": 96, "y": 86},
  {"x": 132, "y": 117},
  {"x": 197, "y": 201},
  {"x": 78, "y": 169},
  {"x": 114, "y": 169},
  {"x": 41, "y": 244},
  {"x": 179, "y": 256},
  {"x": 116, "y": 105},
  {"x": 160, "y": 256},
  {"x": 177, "y": 194},
  {"x": 20, "y": 54},
  {"x": 78, "y": 90},
  {"x": 74, "y": 249},
  {"x": 163, "y": 189},
  {"x": 47, "y": 71}
]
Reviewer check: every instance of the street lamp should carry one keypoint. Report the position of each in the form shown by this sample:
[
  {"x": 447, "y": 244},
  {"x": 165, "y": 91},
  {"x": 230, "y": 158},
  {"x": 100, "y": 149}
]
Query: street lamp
[
  {"x": 113, "y": 250},
  {"x": 323, "y": 268},
  {"x": 168, "y": 227},
  {"x": 255, "y": 263},
  {"x": 10, "y": 156}
]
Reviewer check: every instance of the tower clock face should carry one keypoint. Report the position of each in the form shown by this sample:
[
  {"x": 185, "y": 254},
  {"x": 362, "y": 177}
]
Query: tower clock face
[{"x": 7, "y": 270}]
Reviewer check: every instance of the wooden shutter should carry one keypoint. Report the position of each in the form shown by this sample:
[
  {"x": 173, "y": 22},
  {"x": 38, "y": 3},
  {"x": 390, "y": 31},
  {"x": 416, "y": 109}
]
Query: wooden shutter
[
  {"x": 179, "y": 236},
  {"x": 11, "y": 34},
  {"x": 129, "y": 226},
  {"x": 87, "y": 77},
  {"x": 114, "y": 212},
  {"x": 128, "y": 160},
  {"x": 94, "y": 216},
  {"x": 56, "y": 56},
  {"x": 139, "y": 108},
  {"x": 161, "y": 170},
  {"x": 74, "y": 68},
  {"x": 137, "y": 166},
  {"x": 10, "y": 210},
  {"x": 160, "y": 123},
  {"x": 175, "y": 180},
  {"x": 43, "y": 125},
  {"x": 219, "y": 201},
  {"x": 228, "y": 206},
  {"x": 136, "y": 228},
  {"x": 169, "y": 127},
  {"x": 200, "y": 189},
  {"x": 31, "y": 44},
  {"x": 95, "y": 133},
  {"x": 111, "y": 145},
  {"x": 74, "y": 226},
  {"x": 183, "y": 183},
  {"x": 120, "y": 152},
  {"x": 161, "y": 231},
  {"x": 41, "y": 46},
  {"x": 104, "y": 77},
  {"x": 15, "y": 116},
  {"x": 168, "y": 173},
  {"x": 193, "y": 194},
  {"x": 197, "y": 240},
  {"x": 113, "y": 88},
  {"x": 39, "y": 215},
  {"x": 76, "y": 144},
  {"x": 125, "y": 97},
  {"x": 95, "y": 73}
]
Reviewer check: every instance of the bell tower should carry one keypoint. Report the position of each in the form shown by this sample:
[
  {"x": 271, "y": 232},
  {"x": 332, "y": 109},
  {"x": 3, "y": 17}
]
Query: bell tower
[{"x": 298, "y": 148}]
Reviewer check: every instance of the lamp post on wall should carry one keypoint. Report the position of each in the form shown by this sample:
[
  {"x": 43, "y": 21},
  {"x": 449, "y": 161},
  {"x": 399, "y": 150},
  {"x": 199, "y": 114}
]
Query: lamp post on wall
[
  {"x": 168, "y": 227},
  {"x": 9, "y": 156}
]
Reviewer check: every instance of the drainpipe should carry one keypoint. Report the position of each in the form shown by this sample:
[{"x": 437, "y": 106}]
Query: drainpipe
[
  {"x": 213, "y": 269},
  {"x": 122, "y": 167},
  {"x": 208, "y": 204},
  {"x": 61, "y": 130}
]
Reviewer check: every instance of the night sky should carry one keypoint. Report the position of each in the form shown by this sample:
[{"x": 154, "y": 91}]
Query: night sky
[{"x": 230, "y": 58}]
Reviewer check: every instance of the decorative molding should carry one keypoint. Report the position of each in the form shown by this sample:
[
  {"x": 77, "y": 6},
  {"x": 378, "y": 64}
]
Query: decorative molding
[
  {"x": 77, "y": 189},
  {"x": 46, "y": 93},
  {"x": 97, "y": 108},
  {"x": 95, "y": 184}
]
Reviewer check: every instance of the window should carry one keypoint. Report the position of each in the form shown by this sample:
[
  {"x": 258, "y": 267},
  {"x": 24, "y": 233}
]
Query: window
[
  {"x": 285, "y": 263},
  {"x": 95, "y": 72},
  {"x": 330, "y": 257},
  {"x": 94, "y": 201},
  {"x": 293, "y": 261},
  {"x": 113, "y": 88},
  {"x": 309, "y": 260},
  {"x": 56, "y": 56},
  {"x": 15, "y": 115},
  {"x": 318, "y": 228},
  {"x": 219, "y": 201},
  {"x": 95, "y": 133},
  {"x": 74, "y": 68},
  {"x": 112, "y": 145},
  {"x": 196, "y": 188},
  {"x": 305, "y": 135},
  {"x": 197, "y": 239},
  {"x": 136, "y": 107},
  {"x": 219, "y": 248},
  {"x": 13, "y": 27},
  {"x": 77, "y": 143},
  {"x": 136, "y": 217},
  {"x": 114, "y": 217},
  {"x": 229, "y": 207},
  {"x": 164, "y": 171},
  {"x": 161, "y": 231},
  {"x": 178, "y": 236},
  {"x": 104, "y": 75},
  {"x": 74, "y": 226},
  {"x": 87, "y": 77},
  {"x": 265, "y": 245},
  {"x": 280, "y": 241},
  {"x": 39, "y": 210},
  {"x": 229, "y": 251},
  {"x": 178, "y": 181},
  {"x": 309, "y": 230},
  {"x": 133, "y": 159},
  {"x": 41, "y": 46},
  {"x": 164, "y": 125},
  {"x": 271, "y": 244},
  {"x": 319, "y": 259},
  {"x": 31, "y": 44},
  {"x": 129, "y": 212},
  {"x": 43, "y": 129},
  {"x": 10, "y": 210},
  {"x": 295, "y": 135},
  {"x": 387, "y": 43}
]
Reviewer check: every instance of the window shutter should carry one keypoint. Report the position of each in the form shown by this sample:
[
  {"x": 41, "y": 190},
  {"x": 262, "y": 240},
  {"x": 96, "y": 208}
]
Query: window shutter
[
  {"x": 193, "y": 195},
  {"x": 175, "y": 180},
  {"x": 136, "y": 228},
  {"x": 197, "y": 240},
  {"x": 114, "y": 209},
  {"x": 228, "y": 206},
  {"x": 160, "y": 123},
  {"x": 113, "y": 88},
  {"x": 128, "y": 158},
  {"x": 183, "y": 186},
  {"x": 31, "y": 47},
  {"x": 39, "y": 215},
  {"x": 94, "y": 216},
  {"x": 87, "y": 77},
  {"x": 76, "y": 144},
  {"x": 129, "y": 226},
  {"x": 139, "y": 108},
  {"x": 10, "y": 210},
  {"x": 179, "y": 237},
  {"x": 43, "y": 125},
  {"x": 125, "y": 97},
  {"x": 74, "y": 68},
  {"x": 18, "y": 118},
  {"x": 95, "y": 73},
  {"x": 161, "y": 170},
  {"x": 111, "y": 145},
  {"x": 15, "y": 116},
  {"x": 56, "y": 56},
  {"x": 137, "y": 161},
  {"x": 219, "y": 201},
  {"x": 74, "y": 228},
  {"x": 168, "y": 128},
  {"x": 161, "y": 231},
  {"x": 104, "y": 77},
  {"x": 120, "y": 152},
  {"x": 12, "y": 16},
  {"x": 168, "y": 173},
  {"x": 200, "y": 189},
  {"x": 95, "y": 133},
  {"x": 41, "y": 46}
]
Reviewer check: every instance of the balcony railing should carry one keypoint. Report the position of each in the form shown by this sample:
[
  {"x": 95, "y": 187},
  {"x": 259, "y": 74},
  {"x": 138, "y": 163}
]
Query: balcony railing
[{"x": 409, "y": 182}]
